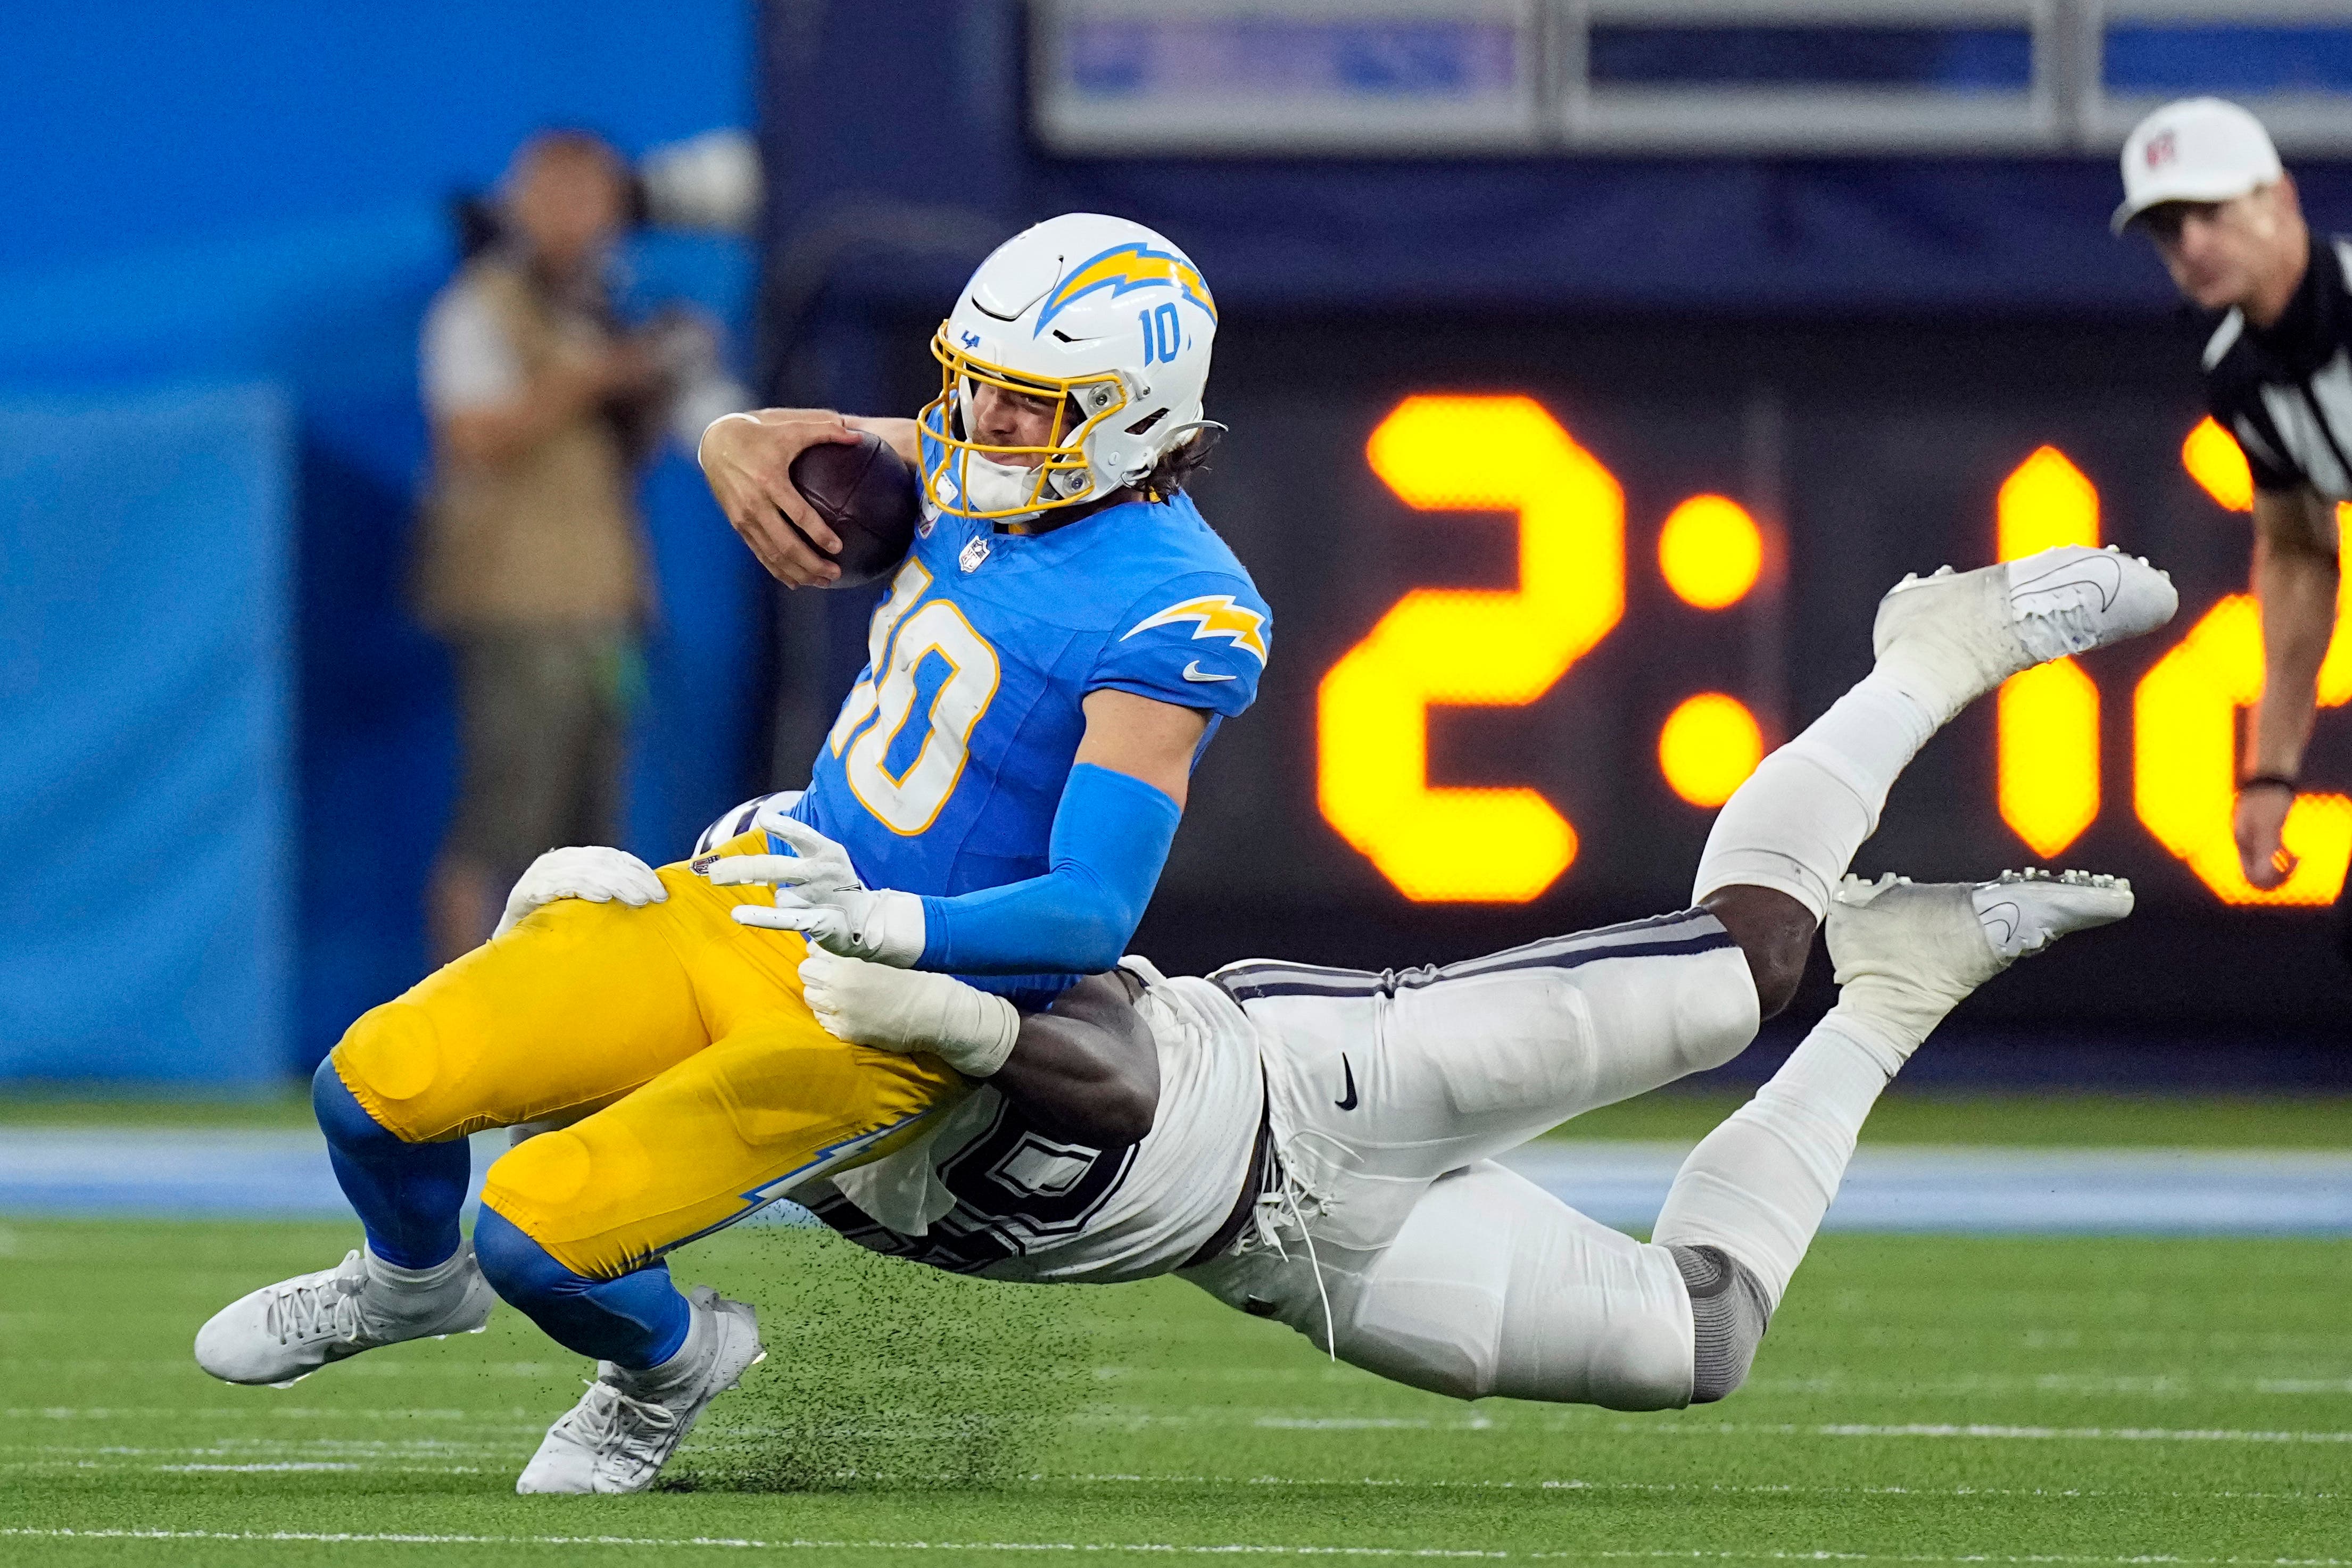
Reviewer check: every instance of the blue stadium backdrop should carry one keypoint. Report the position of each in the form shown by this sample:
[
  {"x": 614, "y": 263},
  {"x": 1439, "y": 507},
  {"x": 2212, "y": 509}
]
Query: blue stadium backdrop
[{"x": 256, "y": 194}]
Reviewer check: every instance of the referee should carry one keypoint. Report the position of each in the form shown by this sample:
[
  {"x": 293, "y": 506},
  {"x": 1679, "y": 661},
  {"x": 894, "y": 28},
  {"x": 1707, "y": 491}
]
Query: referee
[{"x": 2201, "y": 178}]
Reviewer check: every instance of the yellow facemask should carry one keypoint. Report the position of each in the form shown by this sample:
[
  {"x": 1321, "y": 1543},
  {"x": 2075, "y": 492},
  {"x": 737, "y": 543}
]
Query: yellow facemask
[{"x": 1058, "y": 470}]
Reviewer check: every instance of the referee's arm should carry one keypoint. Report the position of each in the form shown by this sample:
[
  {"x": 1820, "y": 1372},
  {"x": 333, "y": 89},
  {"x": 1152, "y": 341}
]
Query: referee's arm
[{"x": 2295, "y": 579}]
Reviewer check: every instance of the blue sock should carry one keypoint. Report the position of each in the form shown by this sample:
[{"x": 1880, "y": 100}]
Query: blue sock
[
  {"x": 636, "y": 1320},
  {"x": 407, "y": 1195}
]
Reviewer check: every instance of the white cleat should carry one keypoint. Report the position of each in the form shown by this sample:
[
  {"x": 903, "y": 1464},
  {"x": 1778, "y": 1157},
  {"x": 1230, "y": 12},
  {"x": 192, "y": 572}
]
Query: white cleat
[
  {"x": 1956, "y": 635},
  {"x": 624, "y": 1428},
  {"x": 1945, "y": 939},
  {"x": 282, "y": 1334}
]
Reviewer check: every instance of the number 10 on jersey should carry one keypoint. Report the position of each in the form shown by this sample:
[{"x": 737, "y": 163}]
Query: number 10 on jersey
[{"x": 875, "y": 717}]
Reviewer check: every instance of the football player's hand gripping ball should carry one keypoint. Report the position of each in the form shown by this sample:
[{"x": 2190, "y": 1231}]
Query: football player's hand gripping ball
[
  {"x": 909, "y": 1010},
  {"x": 820, "y": 894},
  {"x": 589, "y": 872},
  {"x": 748, "y": 460}
]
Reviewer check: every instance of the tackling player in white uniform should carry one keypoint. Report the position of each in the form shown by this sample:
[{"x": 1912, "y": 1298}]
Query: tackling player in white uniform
[{"x": 1317, "y": 1145}]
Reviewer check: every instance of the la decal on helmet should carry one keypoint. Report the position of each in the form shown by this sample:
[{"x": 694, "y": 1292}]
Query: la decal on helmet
[{"x": 1103, "y": 315}]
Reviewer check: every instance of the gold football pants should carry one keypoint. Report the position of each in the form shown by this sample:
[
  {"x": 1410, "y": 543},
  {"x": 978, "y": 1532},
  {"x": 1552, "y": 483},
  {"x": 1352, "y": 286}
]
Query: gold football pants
[{"x": 713, "y": 1088}]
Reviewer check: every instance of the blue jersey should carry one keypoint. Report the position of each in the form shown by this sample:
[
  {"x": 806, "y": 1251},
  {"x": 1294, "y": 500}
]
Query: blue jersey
[{"x": 944, "y": 769}]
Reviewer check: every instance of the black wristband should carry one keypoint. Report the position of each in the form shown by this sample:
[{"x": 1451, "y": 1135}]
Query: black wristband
[{"x": 2276, "y": 780}]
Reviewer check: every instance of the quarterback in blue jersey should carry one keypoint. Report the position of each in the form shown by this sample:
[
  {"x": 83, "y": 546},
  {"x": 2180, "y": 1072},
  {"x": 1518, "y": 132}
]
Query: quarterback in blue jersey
[
  {"x": 1045, "y": 669},
  {"x": 1056, "y": 649}
]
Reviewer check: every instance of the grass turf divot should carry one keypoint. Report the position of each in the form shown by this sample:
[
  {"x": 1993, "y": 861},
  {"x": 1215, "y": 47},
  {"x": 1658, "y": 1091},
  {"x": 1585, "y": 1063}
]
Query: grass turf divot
[{"x": 880, "y": 1373}]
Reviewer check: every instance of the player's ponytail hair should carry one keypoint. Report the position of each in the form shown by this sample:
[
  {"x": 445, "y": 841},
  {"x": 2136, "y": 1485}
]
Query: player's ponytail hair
[{"x": 1181, "y": 461}]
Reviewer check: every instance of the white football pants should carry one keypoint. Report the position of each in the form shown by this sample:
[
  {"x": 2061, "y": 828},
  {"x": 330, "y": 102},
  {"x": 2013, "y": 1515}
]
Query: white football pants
[{"x": 1390, "y": 1094}]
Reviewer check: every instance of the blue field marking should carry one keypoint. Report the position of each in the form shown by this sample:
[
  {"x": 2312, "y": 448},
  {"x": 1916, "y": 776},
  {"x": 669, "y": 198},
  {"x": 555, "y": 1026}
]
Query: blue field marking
[
  {"x": 1997, "y": 1191},
  {"x": 214, "y": 1172},
  {"x": 1982, "y": 1191}
]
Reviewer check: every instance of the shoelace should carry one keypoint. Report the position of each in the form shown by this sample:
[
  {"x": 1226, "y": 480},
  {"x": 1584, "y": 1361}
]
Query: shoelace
[
  {"x": 1265, "y": 1218},
  {"x": 602, "y": 1421},
  {"x": 304, "y": 1312},
  {"x": 2077, "y": 625}
]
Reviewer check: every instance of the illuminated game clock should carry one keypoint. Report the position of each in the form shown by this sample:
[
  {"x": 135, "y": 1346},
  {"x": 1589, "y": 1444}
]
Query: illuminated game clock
[{"x": 1502, "y": 648}]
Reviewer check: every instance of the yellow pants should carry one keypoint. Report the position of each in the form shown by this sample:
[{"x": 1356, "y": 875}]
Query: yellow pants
[{"x": 713, "y": 1089}]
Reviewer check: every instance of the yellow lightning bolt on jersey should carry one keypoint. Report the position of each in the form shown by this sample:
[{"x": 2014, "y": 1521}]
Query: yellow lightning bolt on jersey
[{"x": 1216, "y": 616}]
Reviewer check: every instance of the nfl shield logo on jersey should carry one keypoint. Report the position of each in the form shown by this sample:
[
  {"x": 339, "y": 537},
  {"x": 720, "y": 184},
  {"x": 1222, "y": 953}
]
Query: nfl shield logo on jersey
[{"x": 973, "y": 554}]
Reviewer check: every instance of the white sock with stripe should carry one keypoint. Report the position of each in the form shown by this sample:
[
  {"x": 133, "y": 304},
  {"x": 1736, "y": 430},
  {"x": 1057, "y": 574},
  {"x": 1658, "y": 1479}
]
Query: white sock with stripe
[{"x": 1758, "y": 1185}]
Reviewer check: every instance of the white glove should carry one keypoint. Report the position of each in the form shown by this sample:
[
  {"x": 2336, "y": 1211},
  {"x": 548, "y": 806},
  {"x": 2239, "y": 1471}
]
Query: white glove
[
  {"x": 594, "y": 874},
  {"x": 910, "y": 1010},
  {"x": 739, "y": 819},
  {"x": 820, "y": 895}
]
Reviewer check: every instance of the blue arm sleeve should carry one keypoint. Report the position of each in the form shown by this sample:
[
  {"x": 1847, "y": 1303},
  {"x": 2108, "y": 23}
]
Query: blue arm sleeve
[{"x": 1111, "y": 834}]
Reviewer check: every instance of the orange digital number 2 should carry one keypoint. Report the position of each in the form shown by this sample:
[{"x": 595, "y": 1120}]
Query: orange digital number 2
[{"x": 1471, "y": 648}]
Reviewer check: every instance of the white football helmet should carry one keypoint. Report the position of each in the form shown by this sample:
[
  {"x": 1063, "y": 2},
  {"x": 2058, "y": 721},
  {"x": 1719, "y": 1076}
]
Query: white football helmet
[{"x": 1100, "y": 313}]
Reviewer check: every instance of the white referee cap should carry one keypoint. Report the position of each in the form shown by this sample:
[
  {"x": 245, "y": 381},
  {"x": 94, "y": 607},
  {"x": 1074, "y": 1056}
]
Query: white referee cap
[{"x": 2194, "y": 150}]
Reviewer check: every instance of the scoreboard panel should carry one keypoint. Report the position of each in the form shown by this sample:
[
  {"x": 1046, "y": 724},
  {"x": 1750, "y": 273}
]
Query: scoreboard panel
[
  {"x": 1504, "y": 452},
  {"x": 1544, "y": 592}
]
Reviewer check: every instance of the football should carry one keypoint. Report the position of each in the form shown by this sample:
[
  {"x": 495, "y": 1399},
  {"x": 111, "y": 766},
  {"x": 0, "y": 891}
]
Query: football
[{"x": 867, "y": 496}]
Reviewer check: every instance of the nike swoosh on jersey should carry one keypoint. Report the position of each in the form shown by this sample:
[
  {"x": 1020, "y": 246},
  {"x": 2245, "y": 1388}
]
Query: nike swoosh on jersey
[
  {"x": 1349, "y": 1068},
  {"x": 1192, "y": 672}
]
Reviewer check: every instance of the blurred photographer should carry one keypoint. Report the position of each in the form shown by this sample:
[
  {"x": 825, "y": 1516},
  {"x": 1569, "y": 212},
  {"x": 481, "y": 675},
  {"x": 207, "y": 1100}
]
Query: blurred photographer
[{"x": 532, "y": 563}]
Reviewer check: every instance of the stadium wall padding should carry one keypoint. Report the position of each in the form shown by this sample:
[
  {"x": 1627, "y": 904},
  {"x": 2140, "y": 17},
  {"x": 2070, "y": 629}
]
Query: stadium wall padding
[
  {"x": 146, "y": 688},
  {"x": 256, "y": 193}
]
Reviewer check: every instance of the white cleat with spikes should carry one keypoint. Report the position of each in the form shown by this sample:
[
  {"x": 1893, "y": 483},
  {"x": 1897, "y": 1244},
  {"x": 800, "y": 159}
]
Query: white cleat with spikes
[
  {"x": 1940, "y": 940},
  {"x": 628, "y": 1424},
  {"x": 282, "y": 1334},
  {"x": 1953, "y": 636}
]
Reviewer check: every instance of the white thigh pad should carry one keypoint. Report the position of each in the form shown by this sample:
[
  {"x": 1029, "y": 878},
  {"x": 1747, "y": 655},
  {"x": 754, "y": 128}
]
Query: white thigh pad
[
  {"x": 1399, "y": 1078},
  {"x": 1502, "y": 1043},
  {"x": 1494, "y": 1286}
]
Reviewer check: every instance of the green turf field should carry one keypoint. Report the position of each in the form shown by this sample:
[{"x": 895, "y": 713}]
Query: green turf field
[{"x": 1920, "y": 1401}]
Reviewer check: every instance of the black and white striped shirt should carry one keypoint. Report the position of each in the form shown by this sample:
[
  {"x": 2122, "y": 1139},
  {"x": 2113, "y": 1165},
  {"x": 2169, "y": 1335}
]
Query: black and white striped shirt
[{"x": 2285, "y": 390}]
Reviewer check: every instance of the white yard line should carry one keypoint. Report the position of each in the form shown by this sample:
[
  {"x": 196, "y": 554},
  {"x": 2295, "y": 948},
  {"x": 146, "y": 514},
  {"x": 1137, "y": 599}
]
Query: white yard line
[
  {"x": 1722, "y": 1487},
  {"x": 1158, "y": 1549},
  {"x": 1697, "y": 1428},
  {"x": 517, "y": 1419},
  {"x": 2153, "y": 1385},
  {"x": 229, "y": 1449},
  {"x": 1984, "y": 1431},
  {"x": 241, "y": 1412},
  {"x": 393, "y": 1463},
  {"x": 766, "y": 1544},
  {"x": 1980, "y": 1432},
  {"x": 2079, "y": 1434}
]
